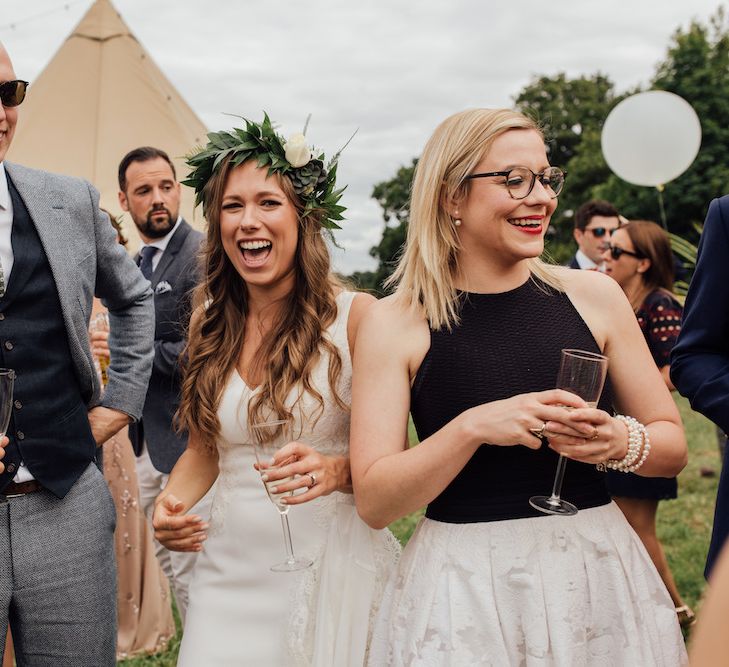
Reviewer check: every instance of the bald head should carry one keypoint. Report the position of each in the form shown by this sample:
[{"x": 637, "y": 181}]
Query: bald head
[{"x": 8, "y": 115}]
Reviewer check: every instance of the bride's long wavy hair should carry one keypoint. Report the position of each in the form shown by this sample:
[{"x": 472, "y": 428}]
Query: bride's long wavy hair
[{"x": 289, "y": 352}]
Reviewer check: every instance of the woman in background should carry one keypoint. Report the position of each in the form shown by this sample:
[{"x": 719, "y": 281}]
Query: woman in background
[
  {"x": 640, "y": 260},
  {"x": 144, "y": 606}
]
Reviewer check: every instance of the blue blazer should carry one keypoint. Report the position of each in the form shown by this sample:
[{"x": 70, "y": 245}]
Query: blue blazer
[
  {"x": 173, "y": 280},
  {"x": 700, "y": 358}
]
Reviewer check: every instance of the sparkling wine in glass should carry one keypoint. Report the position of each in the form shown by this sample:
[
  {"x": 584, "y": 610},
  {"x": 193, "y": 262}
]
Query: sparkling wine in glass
[
  {"x": 268, "y": 438},
  {"x": 7, "y": 378},
  {"x": 582, "y": 373}
]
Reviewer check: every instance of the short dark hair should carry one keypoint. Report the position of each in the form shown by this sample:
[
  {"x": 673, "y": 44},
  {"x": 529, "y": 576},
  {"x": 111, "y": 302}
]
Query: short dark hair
[
  {"x": 141, "y": 154},
  {"x": 592, "y": 208}
]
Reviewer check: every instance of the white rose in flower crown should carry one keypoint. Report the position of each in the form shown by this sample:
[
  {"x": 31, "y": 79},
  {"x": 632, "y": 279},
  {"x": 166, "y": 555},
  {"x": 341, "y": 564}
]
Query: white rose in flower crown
[{"x": 297, "y": 152}]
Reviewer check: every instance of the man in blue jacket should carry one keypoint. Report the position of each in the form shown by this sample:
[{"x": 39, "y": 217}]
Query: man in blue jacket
[
  {"x": 700, "y": 358},
  {"x": 168, "y": 258}
]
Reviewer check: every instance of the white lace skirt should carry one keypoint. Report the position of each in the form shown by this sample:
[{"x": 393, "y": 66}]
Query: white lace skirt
[{"x": 550, "y": 591}]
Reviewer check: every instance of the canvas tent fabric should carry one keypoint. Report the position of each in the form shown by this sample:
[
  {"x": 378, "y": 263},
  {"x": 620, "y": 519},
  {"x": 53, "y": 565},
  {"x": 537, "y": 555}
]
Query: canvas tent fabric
[{"x": 99, "y": 97}]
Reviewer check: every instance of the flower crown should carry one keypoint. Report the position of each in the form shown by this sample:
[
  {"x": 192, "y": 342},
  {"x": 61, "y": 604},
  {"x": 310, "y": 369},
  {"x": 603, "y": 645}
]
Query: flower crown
[{"x": 312, "y": 181}]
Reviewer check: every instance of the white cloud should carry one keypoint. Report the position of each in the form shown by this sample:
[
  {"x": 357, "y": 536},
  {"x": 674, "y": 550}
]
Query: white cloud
[{"x": 390, "y": 68}]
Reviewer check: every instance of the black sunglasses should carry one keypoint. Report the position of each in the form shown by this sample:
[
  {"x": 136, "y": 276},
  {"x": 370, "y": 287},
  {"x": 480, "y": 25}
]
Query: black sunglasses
[
  {"x": 12, "y": 93},
  {"x": 599, "y": 232},
  {"x": 616, "y": 252},
  {"x": 520, "y": 180}
]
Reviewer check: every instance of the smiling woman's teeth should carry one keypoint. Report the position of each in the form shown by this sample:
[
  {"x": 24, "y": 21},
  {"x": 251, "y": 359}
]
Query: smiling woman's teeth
[
  {"x": 254, "y": 245},
  {"x": 255, "y": 252}
]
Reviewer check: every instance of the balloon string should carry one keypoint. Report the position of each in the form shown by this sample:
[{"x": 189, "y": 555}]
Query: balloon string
[{"x": 659, "y": 188}]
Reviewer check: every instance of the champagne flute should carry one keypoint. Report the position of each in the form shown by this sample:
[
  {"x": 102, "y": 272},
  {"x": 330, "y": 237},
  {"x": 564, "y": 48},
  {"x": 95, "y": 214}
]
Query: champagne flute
[
  {"x": 582, "y": 373},
  {"x": 100, "y": 322},
  {"x": 268, "y": 438},
  {"x": 7, "y": 378}
]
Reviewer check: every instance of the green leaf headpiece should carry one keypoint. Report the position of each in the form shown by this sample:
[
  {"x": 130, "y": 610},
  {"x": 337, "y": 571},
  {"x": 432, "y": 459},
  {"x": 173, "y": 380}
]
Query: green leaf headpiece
[{"x": 314, "y": 182}]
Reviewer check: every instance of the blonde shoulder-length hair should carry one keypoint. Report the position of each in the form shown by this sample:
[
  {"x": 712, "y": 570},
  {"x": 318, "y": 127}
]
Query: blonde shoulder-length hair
[{"x": 428, "y": 267}]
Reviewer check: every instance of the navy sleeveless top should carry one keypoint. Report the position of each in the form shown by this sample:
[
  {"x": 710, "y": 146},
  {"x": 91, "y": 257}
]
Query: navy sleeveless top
[{"x": 506, "y": 344}]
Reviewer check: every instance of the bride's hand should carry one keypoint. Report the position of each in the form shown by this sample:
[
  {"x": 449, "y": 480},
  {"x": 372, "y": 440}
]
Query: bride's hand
[
  {"x": 311, "y": 470},
  {"x": 176, "y": 530}
]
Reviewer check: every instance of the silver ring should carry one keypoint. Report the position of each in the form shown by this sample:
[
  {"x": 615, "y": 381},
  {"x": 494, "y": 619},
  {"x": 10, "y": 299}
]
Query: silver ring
[
  {"x": 539, "y": 432},
  {"x": 311, "y": 476}
]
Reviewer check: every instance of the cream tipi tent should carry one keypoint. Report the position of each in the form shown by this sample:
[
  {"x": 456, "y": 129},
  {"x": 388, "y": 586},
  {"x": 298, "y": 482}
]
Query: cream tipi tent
[{"x": 100, "y": 96}]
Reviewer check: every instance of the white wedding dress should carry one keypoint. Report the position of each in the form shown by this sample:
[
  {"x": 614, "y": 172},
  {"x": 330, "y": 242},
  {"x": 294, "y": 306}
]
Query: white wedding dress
[{"x": 240, "y": 613}]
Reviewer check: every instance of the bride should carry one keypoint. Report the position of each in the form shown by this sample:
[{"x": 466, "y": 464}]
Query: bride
[{"x": 271, "y": 338}]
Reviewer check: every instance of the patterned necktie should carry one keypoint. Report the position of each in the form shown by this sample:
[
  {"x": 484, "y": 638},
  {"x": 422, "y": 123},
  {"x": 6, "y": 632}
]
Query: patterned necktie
[
  {"x": 145, "y": 265},
  {"x": 2, "y": 281}
]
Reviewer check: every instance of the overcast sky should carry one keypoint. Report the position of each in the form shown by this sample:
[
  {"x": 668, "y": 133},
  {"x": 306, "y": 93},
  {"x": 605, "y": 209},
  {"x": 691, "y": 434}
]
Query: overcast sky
[{"x": 391, "y": 68}]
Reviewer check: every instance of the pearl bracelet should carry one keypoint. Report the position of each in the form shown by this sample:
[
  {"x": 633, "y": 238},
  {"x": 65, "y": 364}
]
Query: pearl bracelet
[{"x": 639, "y": 446}]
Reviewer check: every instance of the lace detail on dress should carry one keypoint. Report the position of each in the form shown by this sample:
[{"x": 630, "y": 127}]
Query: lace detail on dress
[
  {"x": 225, "y": 487},
  {"x": 321, "y": 616},
  {"x": 334, "y": 605},
  {"x": 544, "y": 592}
]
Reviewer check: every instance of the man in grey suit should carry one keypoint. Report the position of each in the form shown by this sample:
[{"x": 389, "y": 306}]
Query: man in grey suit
[
  {"x": 58, "y": 250},
  {"x": 149, "y": 191}
]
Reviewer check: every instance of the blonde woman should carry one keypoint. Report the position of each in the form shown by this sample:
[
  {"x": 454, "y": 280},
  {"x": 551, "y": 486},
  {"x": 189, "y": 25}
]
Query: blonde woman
[
  {"x": 470, "y": 344},
  {"x": 271, "y": 338}
]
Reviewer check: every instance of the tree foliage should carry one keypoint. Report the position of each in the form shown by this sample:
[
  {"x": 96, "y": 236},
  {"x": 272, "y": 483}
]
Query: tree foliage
[
  {"x": 572, "y": 112},
  {"x": 696, "y": 68},
  {"x": 394, "y": 198}
]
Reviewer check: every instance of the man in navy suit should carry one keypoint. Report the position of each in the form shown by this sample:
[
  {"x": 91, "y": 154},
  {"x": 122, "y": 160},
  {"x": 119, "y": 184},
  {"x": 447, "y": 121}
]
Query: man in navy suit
[
  {"x": 168, "y": 258},
  {"x": 595, "y": 221},
  {"x": 700, "y": 358}
]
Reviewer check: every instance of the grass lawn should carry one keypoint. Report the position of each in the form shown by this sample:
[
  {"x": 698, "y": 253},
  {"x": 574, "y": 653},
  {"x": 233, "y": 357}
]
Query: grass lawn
[{"x": 684, "y": 525}]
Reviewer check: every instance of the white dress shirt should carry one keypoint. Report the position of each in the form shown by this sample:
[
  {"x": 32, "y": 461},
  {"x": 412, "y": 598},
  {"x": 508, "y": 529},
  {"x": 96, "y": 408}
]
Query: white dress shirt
[
  {"x": 586, "y": 263},
  {"x": 6, "y": 225},
  {"x": 161, "y": 244},
  {"x": 7, "y": 258}
]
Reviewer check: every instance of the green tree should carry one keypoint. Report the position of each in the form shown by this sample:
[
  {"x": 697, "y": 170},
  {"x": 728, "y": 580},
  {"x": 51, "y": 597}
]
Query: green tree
[
  {"x": 571, "y": 111},
  {"x": 394, "y": 197},
  {"x": 696, "y": 67}
]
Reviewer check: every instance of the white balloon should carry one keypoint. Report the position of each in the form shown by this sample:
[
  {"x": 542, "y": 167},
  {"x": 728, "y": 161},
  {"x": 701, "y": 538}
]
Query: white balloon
[{"x": 651, "y": 138}]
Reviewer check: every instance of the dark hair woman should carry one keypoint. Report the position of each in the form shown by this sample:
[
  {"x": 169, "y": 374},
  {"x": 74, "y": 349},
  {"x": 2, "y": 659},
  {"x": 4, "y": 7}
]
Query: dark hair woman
[{"x": 639, "y": 258}]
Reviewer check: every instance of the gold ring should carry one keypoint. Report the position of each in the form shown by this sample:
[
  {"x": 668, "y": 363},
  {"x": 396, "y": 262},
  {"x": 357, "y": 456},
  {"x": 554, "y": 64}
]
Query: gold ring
[
  {"x": 539, "y": 432},
  {"x": 595, "y": 434}
]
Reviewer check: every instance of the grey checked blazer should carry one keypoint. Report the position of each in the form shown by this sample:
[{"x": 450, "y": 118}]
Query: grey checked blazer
[{"x": 87, "y": 261}]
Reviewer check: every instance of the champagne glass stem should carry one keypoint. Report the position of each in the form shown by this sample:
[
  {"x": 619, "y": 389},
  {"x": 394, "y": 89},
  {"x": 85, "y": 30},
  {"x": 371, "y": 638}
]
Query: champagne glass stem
[
  {"x": 287, "y": 539},
  {"x": 558, "y": 478}
]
